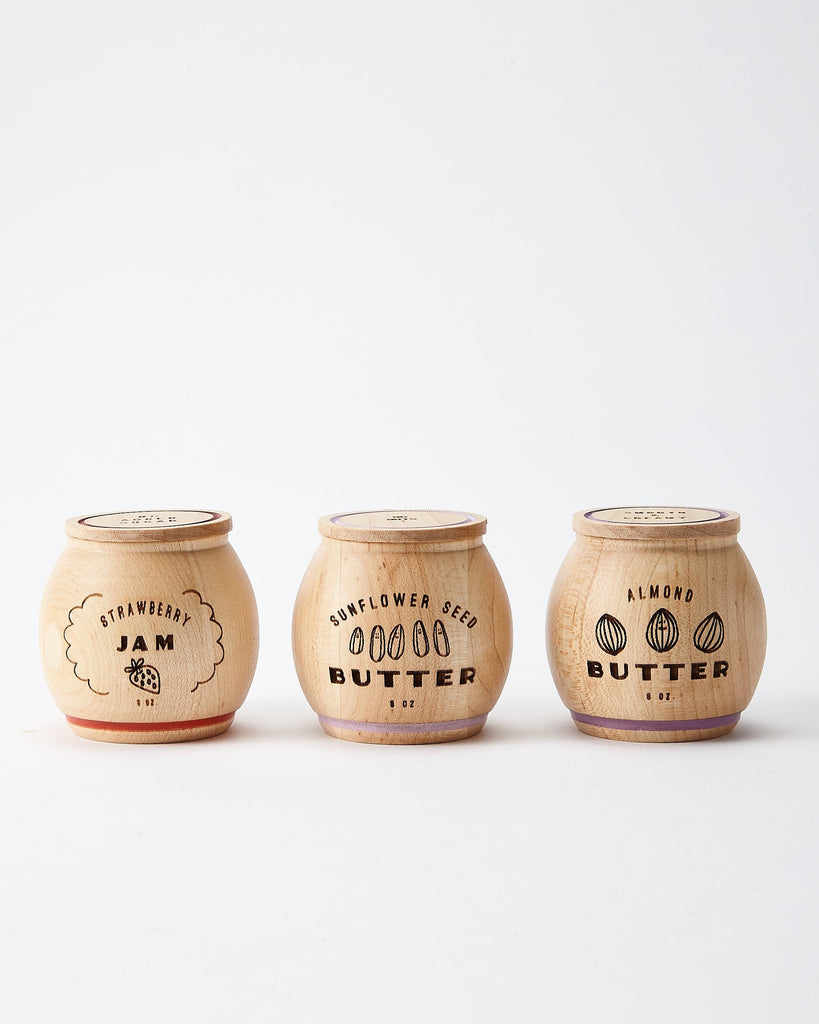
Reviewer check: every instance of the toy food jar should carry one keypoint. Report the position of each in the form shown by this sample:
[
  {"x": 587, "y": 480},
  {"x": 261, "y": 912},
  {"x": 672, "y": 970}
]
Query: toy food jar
[
  {"x": 402, "y": 631},
  {"x": 656, "y": 624},
  {"x": 148, "y": 627}
]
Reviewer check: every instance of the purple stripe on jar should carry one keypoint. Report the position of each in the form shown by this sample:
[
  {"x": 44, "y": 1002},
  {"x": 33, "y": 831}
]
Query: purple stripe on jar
[
  {"x": 647, "y": 726},
  {"x": 403, "y": 727}
]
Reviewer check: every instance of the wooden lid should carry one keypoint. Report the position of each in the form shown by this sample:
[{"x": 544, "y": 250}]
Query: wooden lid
[
  {"x": 402, "y": 526},
  {"x": 150, "y": 527},
  {"x": 655, "y": 522}
]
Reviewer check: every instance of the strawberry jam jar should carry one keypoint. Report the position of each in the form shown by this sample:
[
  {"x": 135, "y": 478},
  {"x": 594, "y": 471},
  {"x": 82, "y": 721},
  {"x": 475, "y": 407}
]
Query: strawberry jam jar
[
  {"x": 148, "y": 627},
  {"x": 656, "y": 624}
]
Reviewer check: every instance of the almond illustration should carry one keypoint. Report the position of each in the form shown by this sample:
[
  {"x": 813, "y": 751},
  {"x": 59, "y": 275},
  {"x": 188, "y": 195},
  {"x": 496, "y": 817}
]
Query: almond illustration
[
  {"x": 710, "y": 633},
  {"x": 662, "y": 632},
  {"x": 610, "y": 634}
]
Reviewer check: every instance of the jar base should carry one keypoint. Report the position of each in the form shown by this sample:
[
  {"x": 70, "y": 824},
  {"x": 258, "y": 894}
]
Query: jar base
[
  {"x": 150, "y": 732},
  {"x": 402, "y": 732},
  {"x": 656, "y": 731}
]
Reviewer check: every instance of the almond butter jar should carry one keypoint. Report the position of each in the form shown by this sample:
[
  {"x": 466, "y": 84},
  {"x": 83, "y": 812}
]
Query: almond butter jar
[
  {"x": 148, "y": 627},
  {"x": 402, "y": 631},
  {"x": 656, "y": 624}
]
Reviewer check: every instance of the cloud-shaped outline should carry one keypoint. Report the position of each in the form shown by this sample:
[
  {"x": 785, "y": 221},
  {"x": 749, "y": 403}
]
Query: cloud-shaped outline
[
  {"x": 79, "y": 608},
  {"x": 213, "y": 619}
]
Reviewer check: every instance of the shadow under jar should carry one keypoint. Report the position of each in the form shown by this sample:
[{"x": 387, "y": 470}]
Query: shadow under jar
[
  {"x": 148, "y": 627},
  {"x": 402, "y": 631},
  {"x": 656, "y": 624}
]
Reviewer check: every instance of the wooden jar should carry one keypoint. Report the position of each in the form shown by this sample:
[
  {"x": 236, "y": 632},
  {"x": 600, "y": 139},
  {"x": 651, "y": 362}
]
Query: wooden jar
[
  {"x": 402, "y": 631},
  {"x": 148, "y": 627},
  {"x": 656, "y": 624}
]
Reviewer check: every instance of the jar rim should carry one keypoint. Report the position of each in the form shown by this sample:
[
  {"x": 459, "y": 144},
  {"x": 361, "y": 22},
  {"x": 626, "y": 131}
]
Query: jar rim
[
  {"x": 400, "y": 526},
  {"x": 660, "y": 522},
  {"x": 151, "y": 526}
]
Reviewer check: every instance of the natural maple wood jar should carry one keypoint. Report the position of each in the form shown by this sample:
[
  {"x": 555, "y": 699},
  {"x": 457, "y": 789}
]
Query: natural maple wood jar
[
  {"x": 402, "y": 631},
  {"x": 148, "y": 627},
  {"x": 656, "y": 625}
]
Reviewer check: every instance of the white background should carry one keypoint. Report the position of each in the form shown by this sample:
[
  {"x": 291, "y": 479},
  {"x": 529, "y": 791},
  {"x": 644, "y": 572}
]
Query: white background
[{"x": 516, "y": 258}]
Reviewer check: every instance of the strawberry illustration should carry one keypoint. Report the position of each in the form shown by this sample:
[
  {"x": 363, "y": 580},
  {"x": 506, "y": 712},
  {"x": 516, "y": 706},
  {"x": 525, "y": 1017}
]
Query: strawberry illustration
[{"x": 144, "y": 676}]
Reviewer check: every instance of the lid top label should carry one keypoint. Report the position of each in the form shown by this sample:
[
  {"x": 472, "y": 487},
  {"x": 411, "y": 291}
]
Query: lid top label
[
  {"x": 656, "y": 515},
  {"x": 402, "y": 519},
  {"x": 161, "y": 520}
]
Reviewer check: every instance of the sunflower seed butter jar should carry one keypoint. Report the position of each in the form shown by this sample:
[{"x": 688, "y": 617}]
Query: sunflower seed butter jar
[
  {"x": 656, "y": 625},
  {"x": 148, "y": 627},
  {"x": 402, "y": 631}
]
